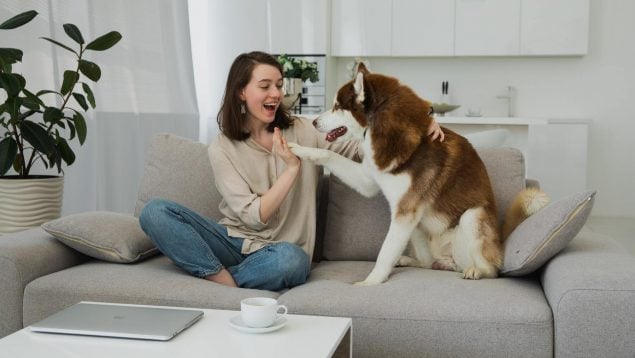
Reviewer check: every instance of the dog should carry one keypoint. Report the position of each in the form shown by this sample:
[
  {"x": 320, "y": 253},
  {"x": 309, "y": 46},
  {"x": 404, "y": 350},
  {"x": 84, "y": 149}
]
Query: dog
[{"x": 441, "y": 201}]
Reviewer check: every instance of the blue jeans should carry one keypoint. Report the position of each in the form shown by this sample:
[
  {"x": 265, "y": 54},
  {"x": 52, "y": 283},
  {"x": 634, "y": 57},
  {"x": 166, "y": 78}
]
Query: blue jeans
[{"x": 202, "y": 247}]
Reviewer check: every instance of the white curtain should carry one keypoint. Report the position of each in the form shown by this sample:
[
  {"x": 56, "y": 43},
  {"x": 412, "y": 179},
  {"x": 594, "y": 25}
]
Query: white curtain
[
  {"x": 219, "y": 34},
  {"x": 147, "y": 87}
]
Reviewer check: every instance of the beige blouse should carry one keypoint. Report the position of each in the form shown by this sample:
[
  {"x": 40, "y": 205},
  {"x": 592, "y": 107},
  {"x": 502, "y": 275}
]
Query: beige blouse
[{"x": 244, "y": 170}]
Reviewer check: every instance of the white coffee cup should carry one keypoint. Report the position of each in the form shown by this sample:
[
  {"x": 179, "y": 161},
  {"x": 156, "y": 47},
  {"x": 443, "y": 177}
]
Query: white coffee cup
[{"x": 259, "y": 312}]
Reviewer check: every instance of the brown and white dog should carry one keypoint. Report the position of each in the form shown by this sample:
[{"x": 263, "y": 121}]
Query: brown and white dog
[{"x": 440, "y": 196}]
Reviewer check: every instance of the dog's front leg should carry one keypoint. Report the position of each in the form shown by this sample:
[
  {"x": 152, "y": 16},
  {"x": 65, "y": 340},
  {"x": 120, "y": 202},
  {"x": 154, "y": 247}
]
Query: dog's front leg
[
  {"x": 390, "y": 252},
  {"x": 350, "y": 172}
]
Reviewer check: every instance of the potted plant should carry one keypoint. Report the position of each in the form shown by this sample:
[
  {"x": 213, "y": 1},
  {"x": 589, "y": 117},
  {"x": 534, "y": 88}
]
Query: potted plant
[
  {"x": 295, "y": 73},
  {"x": 36, "y": 126}
]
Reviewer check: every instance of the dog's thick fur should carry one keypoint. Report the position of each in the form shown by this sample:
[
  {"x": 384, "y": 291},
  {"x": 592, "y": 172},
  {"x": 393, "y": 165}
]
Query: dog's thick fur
[{"x": 440, "y": 196}]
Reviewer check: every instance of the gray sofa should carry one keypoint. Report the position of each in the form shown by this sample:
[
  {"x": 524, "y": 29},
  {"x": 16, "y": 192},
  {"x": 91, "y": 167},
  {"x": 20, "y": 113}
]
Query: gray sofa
[{"x": 580, "y": 303}]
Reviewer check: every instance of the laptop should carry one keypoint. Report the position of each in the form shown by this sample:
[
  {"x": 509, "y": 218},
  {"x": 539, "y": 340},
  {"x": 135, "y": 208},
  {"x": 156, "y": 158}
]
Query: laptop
[{"x": 121, "y": 321}]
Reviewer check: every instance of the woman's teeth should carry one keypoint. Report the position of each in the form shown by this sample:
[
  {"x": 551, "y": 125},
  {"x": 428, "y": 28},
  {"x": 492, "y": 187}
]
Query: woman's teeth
[{"x": 270, "y": 106}]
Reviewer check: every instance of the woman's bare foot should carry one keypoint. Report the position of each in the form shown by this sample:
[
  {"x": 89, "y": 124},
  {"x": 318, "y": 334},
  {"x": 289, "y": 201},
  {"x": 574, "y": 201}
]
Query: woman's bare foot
[{"x": 223, "y": 277}]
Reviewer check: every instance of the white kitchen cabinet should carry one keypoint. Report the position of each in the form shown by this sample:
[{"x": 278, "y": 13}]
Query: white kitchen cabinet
[
  {"x": 554, "y": 27},
  {"x": 297, "y": 26},
  {"x": 487, "y": 28},
  {"x": 422, "y": 28},
  {"x": 361, "y": 27}
]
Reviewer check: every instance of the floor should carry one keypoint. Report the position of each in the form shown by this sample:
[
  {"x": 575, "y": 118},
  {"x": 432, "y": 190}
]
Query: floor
[{"x": 622, "y": 229}]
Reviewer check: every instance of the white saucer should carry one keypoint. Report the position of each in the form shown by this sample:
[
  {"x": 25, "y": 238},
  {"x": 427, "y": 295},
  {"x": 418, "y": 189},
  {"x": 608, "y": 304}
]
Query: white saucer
[{"x": 237, "y": 323}]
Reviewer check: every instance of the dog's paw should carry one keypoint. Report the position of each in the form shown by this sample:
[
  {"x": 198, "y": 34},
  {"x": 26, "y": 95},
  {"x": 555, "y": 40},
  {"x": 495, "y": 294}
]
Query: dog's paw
[
  {"x": 366, "y": 283},
  {"x": 472, "y": 273},
  {"x": 316, "y": 155},
  {"x": 372, "y": 279}
]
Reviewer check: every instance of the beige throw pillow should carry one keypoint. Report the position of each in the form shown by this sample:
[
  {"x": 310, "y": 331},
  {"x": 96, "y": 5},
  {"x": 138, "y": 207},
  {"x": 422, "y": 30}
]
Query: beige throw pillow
[
  {"x": 103, "y": 235},
  {"x": 544, "y": 234}
]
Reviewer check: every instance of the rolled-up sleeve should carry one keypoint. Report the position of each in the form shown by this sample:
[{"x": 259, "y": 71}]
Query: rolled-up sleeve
[{"x": 238, "y": 197}]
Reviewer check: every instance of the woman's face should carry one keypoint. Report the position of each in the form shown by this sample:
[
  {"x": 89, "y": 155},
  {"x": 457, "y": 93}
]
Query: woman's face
[{"x": 263, "y": 94}]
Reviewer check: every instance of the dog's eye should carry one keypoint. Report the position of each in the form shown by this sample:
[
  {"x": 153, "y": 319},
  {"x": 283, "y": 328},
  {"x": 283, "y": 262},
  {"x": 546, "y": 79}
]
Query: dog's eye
[{"x": 431, "y": 112}]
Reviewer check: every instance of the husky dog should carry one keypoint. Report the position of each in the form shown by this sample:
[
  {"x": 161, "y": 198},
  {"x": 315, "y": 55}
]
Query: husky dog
[{"x": 440, "y": 197}]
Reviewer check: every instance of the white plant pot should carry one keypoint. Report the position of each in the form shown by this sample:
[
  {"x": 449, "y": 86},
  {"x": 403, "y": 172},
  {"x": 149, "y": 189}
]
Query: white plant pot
[{"x": 27, "y": 203}]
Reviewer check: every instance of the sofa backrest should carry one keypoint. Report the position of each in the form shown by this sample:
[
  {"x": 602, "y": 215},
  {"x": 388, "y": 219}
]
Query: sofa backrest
[
  {"x": 179, "y": 169},
  {"x": 355, "y": 226}
]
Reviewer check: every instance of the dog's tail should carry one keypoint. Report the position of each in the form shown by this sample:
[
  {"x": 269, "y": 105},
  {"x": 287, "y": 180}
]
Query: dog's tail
[{"x": 528, "y": 202}]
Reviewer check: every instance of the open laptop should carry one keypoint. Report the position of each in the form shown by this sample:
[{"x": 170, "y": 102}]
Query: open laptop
[{"x": 121, "y": 321}]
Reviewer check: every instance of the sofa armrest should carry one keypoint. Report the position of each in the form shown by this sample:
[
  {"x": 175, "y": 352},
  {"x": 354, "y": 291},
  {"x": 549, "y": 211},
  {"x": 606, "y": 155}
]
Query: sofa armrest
[
  {"x": 25, "y": 256},
  {"x": 590, "y": 287}
]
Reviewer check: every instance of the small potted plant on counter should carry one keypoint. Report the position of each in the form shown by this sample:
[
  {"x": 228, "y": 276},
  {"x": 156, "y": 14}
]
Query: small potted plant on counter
[
  {"x": 295, "y": 73},
  {"x": 35, "y": 126}
]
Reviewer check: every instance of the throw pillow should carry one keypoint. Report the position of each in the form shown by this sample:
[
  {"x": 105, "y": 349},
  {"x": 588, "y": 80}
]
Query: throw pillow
[
  {"x": 103, "y": 235},
  {"x": 544, "y": 234}
]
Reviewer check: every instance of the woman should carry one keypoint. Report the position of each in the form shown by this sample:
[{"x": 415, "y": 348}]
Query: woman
[{"x": 266, "y": 237}]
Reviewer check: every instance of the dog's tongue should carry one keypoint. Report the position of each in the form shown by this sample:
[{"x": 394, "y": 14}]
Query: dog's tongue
[{"x": 335, "y": 133}]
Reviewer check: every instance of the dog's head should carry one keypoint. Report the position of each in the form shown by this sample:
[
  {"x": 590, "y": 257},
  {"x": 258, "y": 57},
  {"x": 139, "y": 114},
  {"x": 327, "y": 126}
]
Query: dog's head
[
  {"x": 397, "y": 119},
  {"x": 347, "y": 119}
]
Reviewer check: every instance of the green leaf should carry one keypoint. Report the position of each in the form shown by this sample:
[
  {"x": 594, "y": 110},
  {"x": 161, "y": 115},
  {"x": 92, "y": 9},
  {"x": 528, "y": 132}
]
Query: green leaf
[
  {"x": 5, "y": 67},
  {"x": 60, "y": 45},
  {"x": 80, "y": 125},
  {"x": 70, "y": 78},
  {"x": 10, "y": 83},
  {"x": 10, "y": 55},
  {"x": 89, "y": 95},
  {"x": 30, "y": 103},
  {"x": 37, "y": 137},
  {"x": 90, "y": 70},
  {"x": 52, "y": 114},
  {"x": 42, "y": 92},
  {"x": 55, "y": 158},
  {"x": 13, "y": 105},
  {"x": 8, "y": 152},
  {"x": 73, "y": 32},
  {"x": 81, "y": 100},
  {"x": 33, "y": 97},
  {"x": 104, "y": 42},
  {"x": 18, "y": 20},
  {"x": 71, "y": 127},
  {"x": 17, "y": 163},
  {"x": 65, "y": 151}
]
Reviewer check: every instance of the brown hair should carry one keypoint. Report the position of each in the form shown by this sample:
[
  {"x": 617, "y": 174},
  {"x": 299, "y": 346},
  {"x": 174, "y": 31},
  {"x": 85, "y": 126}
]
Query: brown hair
[{"x": 230, "y": 121}]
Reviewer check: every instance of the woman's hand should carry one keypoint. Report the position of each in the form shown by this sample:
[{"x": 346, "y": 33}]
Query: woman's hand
[
  {"x": 435, "y": 131},
  {"x": 281, "y": 149}
]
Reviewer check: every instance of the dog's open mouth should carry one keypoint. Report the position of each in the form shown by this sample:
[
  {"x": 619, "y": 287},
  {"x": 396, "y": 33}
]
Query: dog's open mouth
[{"x": 336, "y": 133}]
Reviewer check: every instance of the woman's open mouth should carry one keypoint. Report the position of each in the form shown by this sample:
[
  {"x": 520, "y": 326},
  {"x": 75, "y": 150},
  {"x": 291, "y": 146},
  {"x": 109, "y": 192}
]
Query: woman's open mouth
[{"x": 271, "y": 107}]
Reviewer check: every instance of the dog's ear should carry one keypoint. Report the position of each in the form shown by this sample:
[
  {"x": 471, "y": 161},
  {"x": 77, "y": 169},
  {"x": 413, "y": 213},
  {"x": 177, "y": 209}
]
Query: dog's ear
[
  {"x": 359, "y": 87},
  {"x": 361, "y": 67}
]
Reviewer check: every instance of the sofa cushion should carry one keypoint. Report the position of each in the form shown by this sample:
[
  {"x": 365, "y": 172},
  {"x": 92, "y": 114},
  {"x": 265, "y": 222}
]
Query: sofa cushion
[
  {"x": 430, "y": 313},
  {"x": 103, "y": 235},
  {"x": 156, "y": 281},
  {"x": 356, "y": 226},
  {"x": 544, "y": 234},
  {"x": 179, "y": 169}
]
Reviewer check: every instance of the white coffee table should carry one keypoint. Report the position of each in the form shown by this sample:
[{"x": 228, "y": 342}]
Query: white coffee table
[{"x": 212, "y": 336}]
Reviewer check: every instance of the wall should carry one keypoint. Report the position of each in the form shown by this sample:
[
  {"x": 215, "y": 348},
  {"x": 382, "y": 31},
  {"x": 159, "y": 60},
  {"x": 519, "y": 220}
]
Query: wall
[{"x": 599, "y": 86}]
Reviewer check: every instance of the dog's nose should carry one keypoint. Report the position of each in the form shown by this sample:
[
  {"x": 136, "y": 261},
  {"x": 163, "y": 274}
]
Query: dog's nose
[{"x": 315, "y": 122}]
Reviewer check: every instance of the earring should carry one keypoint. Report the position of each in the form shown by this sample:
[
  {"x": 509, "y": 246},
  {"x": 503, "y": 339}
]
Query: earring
[{"x": 243, "y": 110}]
